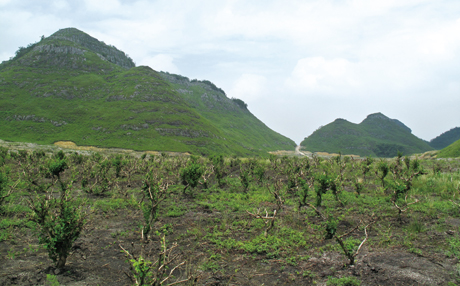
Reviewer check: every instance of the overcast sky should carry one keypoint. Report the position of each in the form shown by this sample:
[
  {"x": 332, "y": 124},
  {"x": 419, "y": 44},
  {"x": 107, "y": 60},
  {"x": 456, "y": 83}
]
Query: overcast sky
[{"x": 298, "y": 64}]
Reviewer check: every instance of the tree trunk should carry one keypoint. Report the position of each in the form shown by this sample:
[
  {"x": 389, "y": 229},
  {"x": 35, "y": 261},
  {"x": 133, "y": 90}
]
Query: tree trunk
[{"x": 61, "y": 261}]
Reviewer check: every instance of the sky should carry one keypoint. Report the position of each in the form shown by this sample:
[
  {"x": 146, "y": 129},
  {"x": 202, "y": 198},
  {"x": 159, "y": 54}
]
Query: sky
[{"x": 298, "y": 65}]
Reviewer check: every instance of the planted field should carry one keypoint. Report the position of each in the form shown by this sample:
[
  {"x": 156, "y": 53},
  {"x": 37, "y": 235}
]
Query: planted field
[{"x": 116, "y": 219}]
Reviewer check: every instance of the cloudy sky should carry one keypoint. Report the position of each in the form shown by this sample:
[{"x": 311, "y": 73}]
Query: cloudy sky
[{"x": 298, "y": 64}]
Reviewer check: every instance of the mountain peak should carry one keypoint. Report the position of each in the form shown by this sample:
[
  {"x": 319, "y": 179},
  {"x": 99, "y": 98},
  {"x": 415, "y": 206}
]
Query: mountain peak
[
  {"x": 376, "y": 116},
  {"x": 70, "y": 49},
  {"x": 380, "y": 117},
  {"x": 68, "y": 32},
  {"x": 377, "y": 135},
  {"x": 104, "y": 51}
]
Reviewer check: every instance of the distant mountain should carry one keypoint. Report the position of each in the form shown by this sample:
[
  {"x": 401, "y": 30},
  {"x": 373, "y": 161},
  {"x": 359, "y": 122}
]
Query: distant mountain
[
  {"x": 377, "y": 135},
  {"x": 70, "y": 86},
  {"x": 445, "y": 139},
  {"x": 451, "y": 151}
]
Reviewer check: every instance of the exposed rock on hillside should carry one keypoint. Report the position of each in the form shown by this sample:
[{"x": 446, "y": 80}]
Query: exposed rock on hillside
[{"x": 105, "y": 52}]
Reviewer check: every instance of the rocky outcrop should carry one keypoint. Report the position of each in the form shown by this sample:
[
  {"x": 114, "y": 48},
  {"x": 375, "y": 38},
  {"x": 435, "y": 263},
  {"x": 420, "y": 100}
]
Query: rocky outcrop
[
  {"x": 107, "y": 52},
  {"x": 35, "y": 119},
  {"x": 59, "y": 49}
]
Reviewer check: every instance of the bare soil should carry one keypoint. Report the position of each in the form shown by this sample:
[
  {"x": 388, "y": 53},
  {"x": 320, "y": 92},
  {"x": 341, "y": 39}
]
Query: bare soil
[{"x": 97, "y": 259}]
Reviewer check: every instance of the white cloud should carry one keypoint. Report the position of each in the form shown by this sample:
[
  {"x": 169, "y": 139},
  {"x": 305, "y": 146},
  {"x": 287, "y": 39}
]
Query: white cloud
[
  {"x": 161, "y": 62},
  {"x": 249, "y": 87},
  {"x": 4, "y": 2},
  {"x": 441, "y": 43},
  {"x": 103, "y": 6},
  {"x": 60, "y": 4},
  {"x": 316, "y": 74}
]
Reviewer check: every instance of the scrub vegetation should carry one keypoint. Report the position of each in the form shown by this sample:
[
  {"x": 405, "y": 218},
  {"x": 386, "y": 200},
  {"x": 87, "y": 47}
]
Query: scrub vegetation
[{"x": 117, "y": 219}]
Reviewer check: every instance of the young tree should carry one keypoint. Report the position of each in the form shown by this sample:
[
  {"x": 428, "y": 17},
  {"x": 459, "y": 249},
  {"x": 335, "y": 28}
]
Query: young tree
[
  {"x": 244, "y": 178},
  {"x": 158, "y": 272},
  {"x": 191, "y": 174},
  {"x": 382, "y": 171},
  {"x": 60, "y": 219},
  {"x": 219, "y": 169},
  {"x": 155, "y": 191}
]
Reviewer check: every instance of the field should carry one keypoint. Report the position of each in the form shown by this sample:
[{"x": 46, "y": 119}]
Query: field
[{"x": 114, "y": 218}]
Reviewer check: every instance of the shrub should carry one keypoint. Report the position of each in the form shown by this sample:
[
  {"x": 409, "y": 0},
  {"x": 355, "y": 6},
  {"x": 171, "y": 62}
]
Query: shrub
[
  {"x": 60, "y": 219},
  {"x": 155, "y": 191},
  {"x": 191, "y": 174}
]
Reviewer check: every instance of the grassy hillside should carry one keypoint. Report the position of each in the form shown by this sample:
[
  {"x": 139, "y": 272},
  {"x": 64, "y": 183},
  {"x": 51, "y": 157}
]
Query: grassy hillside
[
  {"x": 451, "y": 151},
  {"x": 231, "y": 116},
  {"x": 70, "y": 86},
  {"x": 377, "y": 135},
  {"x": 445, "y": 139}
]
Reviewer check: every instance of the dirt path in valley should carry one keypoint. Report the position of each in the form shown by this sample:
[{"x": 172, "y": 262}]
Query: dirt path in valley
[{"x": 297, "y": 151}]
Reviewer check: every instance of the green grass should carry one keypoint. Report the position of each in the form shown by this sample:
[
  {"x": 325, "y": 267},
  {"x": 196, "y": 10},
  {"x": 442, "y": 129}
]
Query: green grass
[{"x": 451, "y": 151}]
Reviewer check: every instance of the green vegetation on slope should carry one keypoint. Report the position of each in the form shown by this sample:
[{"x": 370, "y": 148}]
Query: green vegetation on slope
[
  {"x": 70, "y": 86},
  {"x": 445, "y": 139},
  {"x": 230, "y": 116},
  {"x": 377, "y": 135},
  {"x": 451, "y": 151}
]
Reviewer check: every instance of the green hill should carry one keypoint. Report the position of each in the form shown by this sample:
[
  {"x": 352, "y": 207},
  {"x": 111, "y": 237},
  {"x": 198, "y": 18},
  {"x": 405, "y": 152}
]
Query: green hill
[
  {"x": 231, "y": 116},
  {"x": 377, "y": 135},
  {"x": 451, "y": 151},
  {"x": 73, "y": 87},
  {"x": 445, "y": 139}
]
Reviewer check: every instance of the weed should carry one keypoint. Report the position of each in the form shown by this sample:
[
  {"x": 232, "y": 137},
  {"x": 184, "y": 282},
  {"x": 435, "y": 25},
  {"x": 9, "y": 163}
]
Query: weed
[
  {"x": 344, "y": 281},
  {"x": 52, "y": 280}
]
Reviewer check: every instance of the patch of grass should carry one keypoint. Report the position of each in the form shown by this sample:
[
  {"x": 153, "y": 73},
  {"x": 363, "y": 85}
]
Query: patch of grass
[
  {"x": 175, "y": 211},
  {"x": 454, "y": 247},
  {"x": 416, "y": 227},
  {"x": 344, "y": 281}
]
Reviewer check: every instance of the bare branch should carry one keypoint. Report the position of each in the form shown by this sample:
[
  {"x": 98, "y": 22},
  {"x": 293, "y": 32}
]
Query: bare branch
[
  {"x": 365, "y": 239},
  {"x": 346, "y": 234},
  {"x": 317, "y": 211},
  {"x": 171, "y": 272}
]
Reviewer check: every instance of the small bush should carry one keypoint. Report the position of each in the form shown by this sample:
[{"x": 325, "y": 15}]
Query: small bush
[{"x": 191, "y": 174}]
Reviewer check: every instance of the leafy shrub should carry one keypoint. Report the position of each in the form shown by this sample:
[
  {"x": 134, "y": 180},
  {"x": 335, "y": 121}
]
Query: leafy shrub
[
  {"x": 118, "y": 163},
  {"x": 191, "y": 174},
  {"x": 60, "y": 219},
  {"x": 325, "y": 183}
]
